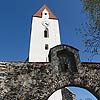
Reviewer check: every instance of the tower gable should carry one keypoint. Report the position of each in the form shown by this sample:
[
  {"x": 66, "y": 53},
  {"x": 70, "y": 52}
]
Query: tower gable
[
  {"x": 45, "y": 14},
  {"x": 44, "y": 8}
]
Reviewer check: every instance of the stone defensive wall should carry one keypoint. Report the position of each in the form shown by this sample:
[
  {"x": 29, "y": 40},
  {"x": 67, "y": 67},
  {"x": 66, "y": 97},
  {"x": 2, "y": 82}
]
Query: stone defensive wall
[{"x": 38, "y": 81}]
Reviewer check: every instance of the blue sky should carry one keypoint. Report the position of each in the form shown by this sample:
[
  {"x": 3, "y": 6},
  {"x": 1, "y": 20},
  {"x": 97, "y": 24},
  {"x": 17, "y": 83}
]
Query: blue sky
[
  {"x": 82, "y": 93},
  {"x": 15, "y": 24}
]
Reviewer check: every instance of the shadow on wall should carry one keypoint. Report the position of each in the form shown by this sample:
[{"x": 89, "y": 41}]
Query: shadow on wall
[{"x": 65, "y": 57}]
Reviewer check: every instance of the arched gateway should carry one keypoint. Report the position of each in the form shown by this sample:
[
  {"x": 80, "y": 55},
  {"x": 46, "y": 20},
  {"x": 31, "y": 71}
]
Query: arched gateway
[{"x": 37, "y": 81}]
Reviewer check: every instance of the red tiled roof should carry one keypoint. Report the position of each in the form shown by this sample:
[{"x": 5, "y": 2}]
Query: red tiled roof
[{"x": 38, "y": 13}]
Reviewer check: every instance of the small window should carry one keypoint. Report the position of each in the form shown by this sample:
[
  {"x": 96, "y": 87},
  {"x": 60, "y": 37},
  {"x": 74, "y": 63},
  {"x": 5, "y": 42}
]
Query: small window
[
  {"x": 46, "y": 47},
  {"x": 45, "y": 13},
  {"x": 46, "y": 33}
]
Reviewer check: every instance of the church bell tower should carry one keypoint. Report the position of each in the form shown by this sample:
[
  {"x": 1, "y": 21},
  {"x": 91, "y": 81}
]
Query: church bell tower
[{"x": 44, "y": 34}]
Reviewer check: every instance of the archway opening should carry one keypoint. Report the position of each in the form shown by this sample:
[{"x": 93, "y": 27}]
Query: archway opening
[
  {"x": 82, "y": 93},
  {"x": 72, "y": 93}
]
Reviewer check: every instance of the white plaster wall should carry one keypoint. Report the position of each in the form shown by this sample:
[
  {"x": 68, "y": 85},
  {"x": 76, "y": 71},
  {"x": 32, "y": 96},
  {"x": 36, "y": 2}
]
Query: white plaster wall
[
  {"x": 43, "y": 14},
  {"x": 37, "y": 51},
  {"x": 56, "y": 95}
]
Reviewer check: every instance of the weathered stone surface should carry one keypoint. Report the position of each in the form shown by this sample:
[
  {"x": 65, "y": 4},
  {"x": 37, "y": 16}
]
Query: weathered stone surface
[
  {"x": 37, "y": 81},
  {"x": 64, "y": 57},
  {"x": 67, "y": 94}
]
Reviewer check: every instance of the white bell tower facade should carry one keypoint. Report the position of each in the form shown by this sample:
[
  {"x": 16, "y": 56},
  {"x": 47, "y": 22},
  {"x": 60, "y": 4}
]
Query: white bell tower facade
[{"x": 44, "y": 35}]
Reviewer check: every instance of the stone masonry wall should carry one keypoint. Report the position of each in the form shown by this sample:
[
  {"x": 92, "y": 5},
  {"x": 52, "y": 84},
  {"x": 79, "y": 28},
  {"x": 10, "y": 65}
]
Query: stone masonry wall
[
  {"x": 37, "y": 81},
  {"x": 67, "y": 95}
]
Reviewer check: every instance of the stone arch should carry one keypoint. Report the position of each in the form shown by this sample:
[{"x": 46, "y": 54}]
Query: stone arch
[
  {"x": 42, "y": 79},
  {"x": 91, "y": 90},
  {"x": 39, "y": 80},
  {"x": 67, "y": 91},
  {"x": 86, "y": 75}
]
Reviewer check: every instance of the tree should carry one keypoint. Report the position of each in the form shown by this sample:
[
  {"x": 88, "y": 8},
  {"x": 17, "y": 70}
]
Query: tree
[{"x": 92, "y": 27}]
